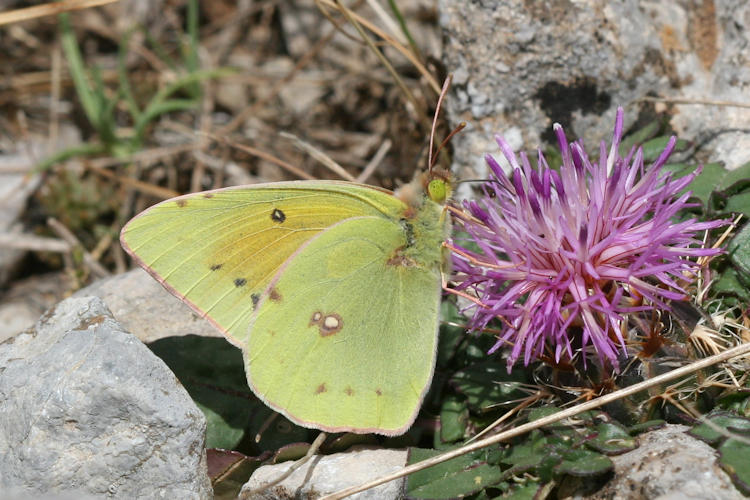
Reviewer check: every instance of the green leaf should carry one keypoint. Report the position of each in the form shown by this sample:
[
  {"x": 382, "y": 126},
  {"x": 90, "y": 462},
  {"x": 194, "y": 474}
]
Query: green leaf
[
  {"x": 738, "y": 203},
  {"x": 650, "y": 425},
  {"x": 460, "y": 476},
  {"x": 541, "y": 412},
  {"x": 653, "y": 148},
  {"x": 734, "y": 180},
  {"x": 726, "y": 422},
  {"x": 706, "y": 182},
  {"x": 527, "y": 455},
  {"x": 450, "y": 334},
  {"x": 734, "y": 457},
  {"x": 730, "y": 283},
  {"x": 454, "y": 415},
  {"x": 611, "y": 439},
  {"x": 524, "y": 492},
  {"x": 488, "y": 383},
  {"x": 739, "y": 250},
  {"x": 584, "y": 463},
  {"x": 639, "y": 136}
]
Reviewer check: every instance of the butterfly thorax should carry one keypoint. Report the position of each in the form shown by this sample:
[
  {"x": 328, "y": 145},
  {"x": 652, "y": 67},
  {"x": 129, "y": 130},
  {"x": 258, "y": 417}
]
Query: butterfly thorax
[{"x": 424, "y": 221}]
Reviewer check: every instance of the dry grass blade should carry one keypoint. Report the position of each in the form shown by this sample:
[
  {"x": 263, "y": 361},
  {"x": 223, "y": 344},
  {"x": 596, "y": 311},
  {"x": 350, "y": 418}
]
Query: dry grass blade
[
  {"x": 65, "y": 233},
  {"x": 33, "y": 243},
  {"x": 536, "y": 424},
  {"x": 48, "y": 9},
  {"x": 314, "y": 447},
  {"x": 262, "y": 154},
  {"x": 701, "y": 102},
  {"x": 402, "y": 49},
  {"x": 319, "y": 155}
]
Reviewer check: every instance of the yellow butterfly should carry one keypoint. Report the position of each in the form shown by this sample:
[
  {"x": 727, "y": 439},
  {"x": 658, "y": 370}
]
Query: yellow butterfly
[{"x": 331, "y": 289}]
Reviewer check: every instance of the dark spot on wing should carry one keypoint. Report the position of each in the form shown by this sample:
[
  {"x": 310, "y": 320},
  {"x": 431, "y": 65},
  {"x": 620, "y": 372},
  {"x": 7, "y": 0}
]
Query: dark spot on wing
[
  {"x": 181, "y": 203},
  {"x": 378, "y": 392},
  {"x": 208, "y": 195},
  {"x": 274, "y": 295},
  {"x": 238, "y": 282},
  {"x": 321, "y": 389},
  {"x": 278, "y": 216},
  {"x": 349, "y": 391},
  {"x": 216, "y": 267},
  {"x": 328, "y": 324},
  {"x": 255, "y": 297}
]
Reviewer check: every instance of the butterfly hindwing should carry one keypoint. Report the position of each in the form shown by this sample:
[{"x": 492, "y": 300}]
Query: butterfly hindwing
[{"x": 346, "y": 335}]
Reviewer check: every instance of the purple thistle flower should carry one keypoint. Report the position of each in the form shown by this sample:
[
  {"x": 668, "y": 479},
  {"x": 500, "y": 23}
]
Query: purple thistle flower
[{"x": 568, "y": 255}]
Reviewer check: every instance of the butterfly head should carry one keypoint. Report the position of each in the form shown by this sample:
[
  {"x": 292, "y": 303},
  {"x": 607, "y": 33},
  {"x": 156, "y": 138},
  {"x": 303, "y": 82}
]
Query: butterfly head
[{"x": 437, "y": 185}]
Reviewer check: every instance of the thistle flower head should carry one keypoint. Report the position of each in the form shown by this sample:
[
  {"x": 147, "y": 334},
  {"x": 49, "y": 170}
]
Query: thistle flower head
[{"x": 565, "y": 255}]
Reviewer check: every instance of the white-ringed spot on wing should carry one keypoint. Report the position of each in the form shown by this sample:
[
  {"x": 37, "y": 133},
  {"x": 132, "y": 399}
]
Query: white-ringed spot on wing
[
  {"x": 278, "y": 216},
  {"x": 328, "y": 324}
]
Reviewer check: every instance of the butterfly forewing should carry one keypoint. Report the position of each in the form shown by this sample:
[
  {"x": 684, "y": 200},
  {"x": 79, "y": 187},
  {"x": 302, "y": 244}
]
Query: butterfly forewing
[{"x": 218, "y": 250}]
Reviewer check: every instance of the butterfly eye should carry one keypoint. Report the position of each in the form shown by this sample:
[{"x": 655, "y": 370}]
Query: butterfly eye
[{"x": 437, "y": 190}]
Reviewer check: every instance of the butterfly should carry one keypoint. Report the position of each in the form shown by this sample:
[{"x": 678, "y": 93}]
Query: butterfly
[{"x": 331, "y": 289}]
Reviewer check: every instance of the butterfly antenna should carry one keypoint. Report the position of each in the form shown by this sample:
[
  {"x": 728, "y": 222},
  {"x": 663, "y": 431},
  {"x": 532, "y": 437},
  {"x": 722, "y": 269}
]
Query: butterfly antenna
[
  {"x": 456, "y": 130},
  {"x": 443, "y": 91}
]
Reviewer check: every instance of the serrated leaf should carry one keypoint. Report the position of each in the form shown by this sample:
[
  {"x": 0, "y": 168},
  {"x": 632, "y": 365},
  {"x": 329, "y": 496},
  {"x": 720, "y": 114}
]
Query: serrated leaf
[
  {"x": 487, "y": 384},
  {"x": 460, "y": 476},
  {"x": 454, "y": 415},
  {"x": 734, "y": 457},
  {"x": 611, "y": 439},
  {"x": 584, "y": 463}
]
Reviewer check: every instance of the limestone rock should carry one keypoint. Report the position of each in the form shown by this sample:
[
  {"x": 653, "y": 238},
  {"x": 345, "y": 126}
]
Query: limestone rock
[
  {"x": 88, "y": 409},
  {"x": 669, "y": 464},
  {"x": 325, "y": 474},
  {"x": 520, "y": 66},
  {"x": 146, "y": 309}
]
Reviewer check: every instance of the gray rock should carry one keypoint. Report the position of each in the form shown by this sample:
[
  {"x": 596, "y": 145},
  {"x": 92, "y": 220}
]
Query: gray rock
[
  {"x": 669, "y": 464},
  {"x": 146, "y": 309},
  {"x": 519, "y": 66},
  {"x": 325, "y": 474},
  {"x": 87, "y": 408}
]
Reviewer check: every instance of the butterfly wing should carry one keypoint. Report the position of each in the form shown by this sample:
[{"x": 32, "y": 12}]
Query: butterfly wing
[
  {"x": 218, "y": 250},
  {"x": 345, "y": 339}
]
